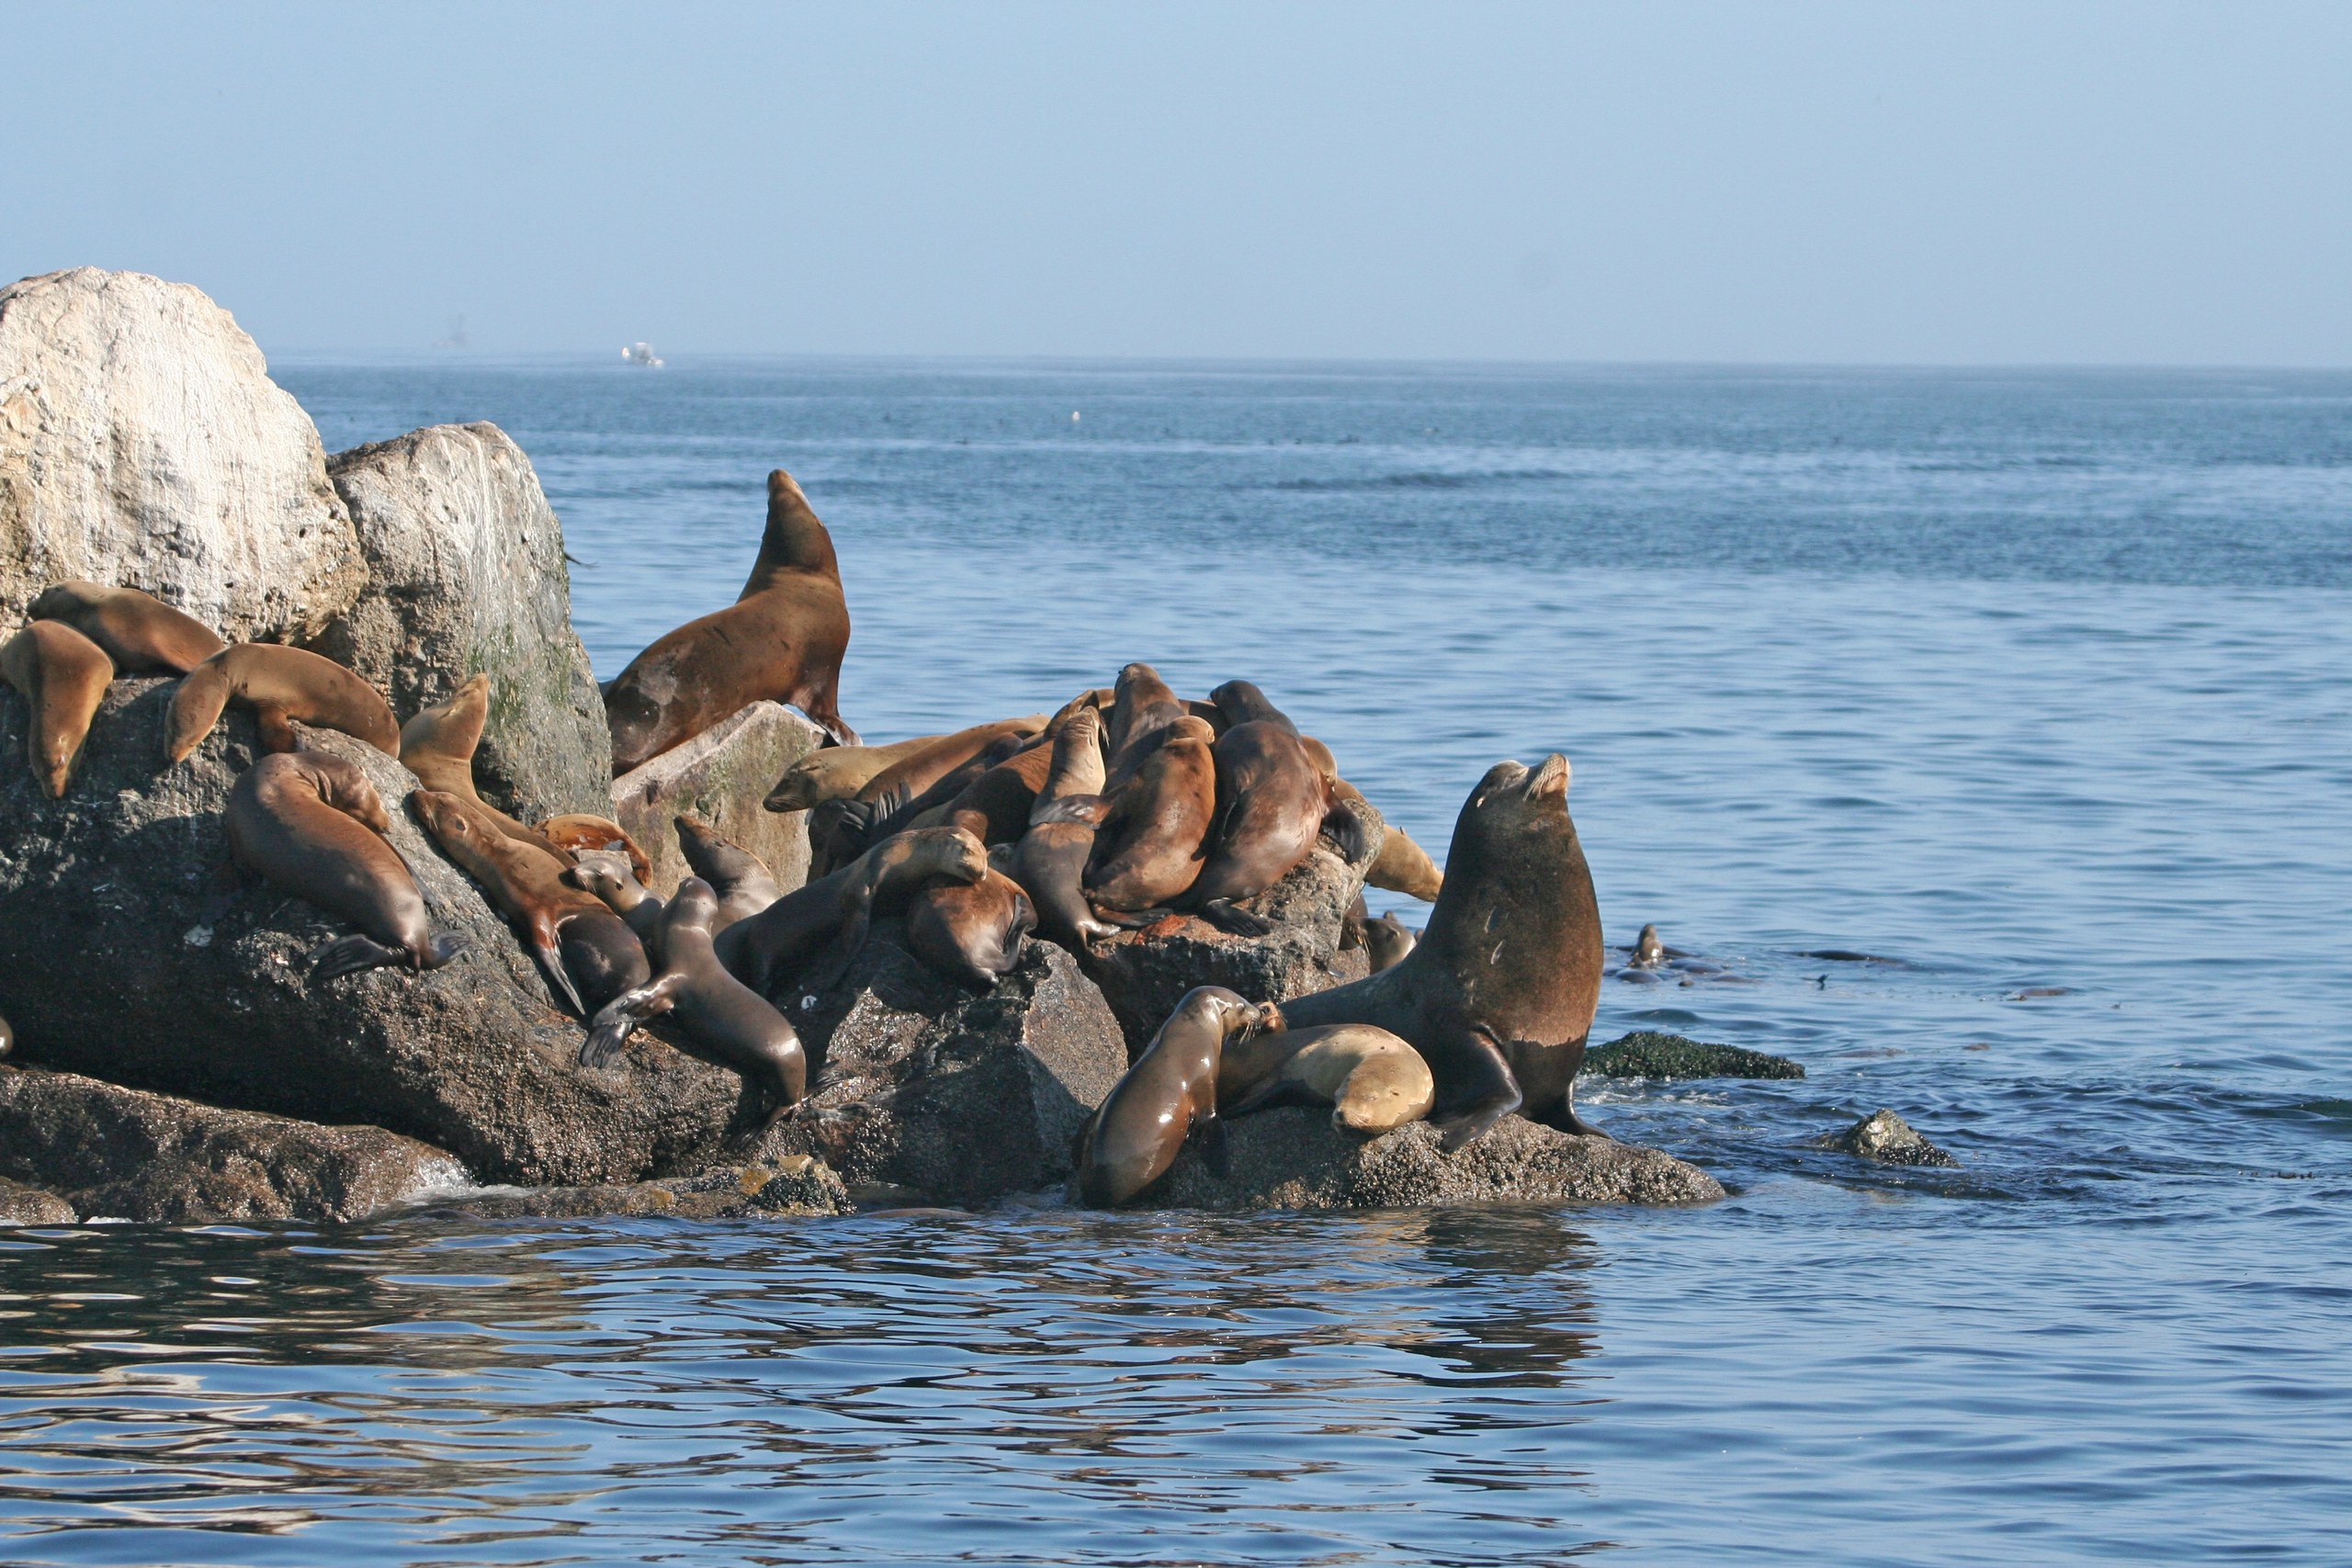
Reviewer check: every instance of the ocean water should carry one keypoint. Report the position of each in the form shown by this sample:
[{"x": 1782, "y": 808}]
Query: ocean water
[{"x": 2035, "y": 686}]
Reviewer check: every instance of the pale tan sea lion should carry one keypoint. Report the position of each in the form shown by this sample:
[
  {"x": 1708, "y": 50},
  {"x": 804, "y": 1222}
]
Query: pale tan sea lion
[
  {"x": 1169, "y": 1094},
  {"x": 63, "y": 676},
  {"x": 1372, "y": 1079},
  {"x": 279, "y": 685},
  {"x": 837, "y": 772},
  {"x": 1403, "y": 866},
  {"x": 140, "y": 633}
]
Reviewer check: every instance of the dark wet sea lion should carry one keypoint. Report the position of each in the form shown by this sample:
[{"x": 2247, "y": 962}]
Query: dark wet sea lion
[
  {"x": 841, "y": 831},
  {"x": 774, "y": 946},
  {"x": 438, "y": 744},
  {"x": 1498, "y": 995},
  {"x": 1169, "y": 1094},
  {"x": 609, "y": 875},
  {"x": 723, "y": 1020},
  {"x": 279, "y": 685},
  {"x": 782, "y": 640},
  {"x": 588, "y": 954},
  {"x": 837, "y": 772},
  {"x": 140, "y": 633},
  {"x": 8, "y": 1039},
  {"x": 1372, "y": 1079},
  {"x": 1143, "y": 707},
  {"x": 1152, "y": 842},
  {"x": 63, "y": 676},
  {"x": 1050, "y": 861},
  {"x": 1388, "y": 940},
  {"x": 741, "y": 880},
  {"x": 1648, "y": 950},
  {"x": 970, "y": 931},
  {"x": 310, "y": 824},
  {"x": 576, "y": 833},
  {"x": 1272, "y": 802}
]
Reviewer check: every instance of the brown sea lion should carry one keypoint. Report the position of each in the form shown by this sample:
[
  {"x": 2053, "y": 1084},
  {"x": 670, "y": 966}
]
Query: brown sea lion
[
  {"x": 773, "y": 947},
  {"x": 970, "y": 931},
  {"x": 1388, "y": 941},
  {"x": 723, "y": 1020},
  {"x": 1499, "y": 993},
  {"x": 140, "y": 633},
  {"x": 1648, "y": 950},
  {"x": 1403, "y": 866},
  {"x": 609, "y": 875},
  {"x": 841, "y": 831},
  {"x": 438, "y": 744},
  {"x": 1169, "y": 1094},
  {"x": 1144, "y": 707},
  {"x": 781, "y": 640},
  {"x": 1372, "y": 1079},
  {"x": 310, "y": 824},
  {"x": 837, "y": 772},
  {"x": 1272, "y": 802},
  {"x": 741, "y": 880},
  {"x": 995, "y": 807},
  {"x": 1050, "y": 861},
  {"x": 279, "y": 685},
  {"x": 64, "y": 677},
  {"x": 588, "y": 954},
  {"x": 576, "y": 833},
  {"x": 1152, "y": 842}
]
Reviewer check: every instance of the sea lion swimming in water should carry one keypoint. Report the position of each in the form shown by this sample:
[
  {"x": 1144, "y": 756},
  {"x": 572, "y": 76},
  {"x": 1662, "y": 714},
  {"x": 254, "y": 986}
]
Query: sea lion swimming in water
[
  {"x": 970, "y": 931},
  {"x": 837, "y": 772},
  {"x": 310, "y": 824},
  {"x": 438, "y": 744},
  {"x": 1169, "y": 1094},
  {"x": 1499, "y": 994},
  {"x": 63, "y": 676},
  {"x": 1648, "y": 950},
  {"x": 1372, "y": 1080},
  {"x": 782, "y": 640},
  {"x": 140, "y": 633},
  {"x": 279, "y": 685},
  {"x": 724, "y": 1021},
  {"x": 770, "y": 948},
  {"x": 741, "y": 880}
]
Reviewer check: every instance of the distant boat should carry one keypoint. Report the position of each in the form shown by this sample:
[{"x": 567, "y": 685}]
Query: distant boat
[{"x": 642, "y": 353}]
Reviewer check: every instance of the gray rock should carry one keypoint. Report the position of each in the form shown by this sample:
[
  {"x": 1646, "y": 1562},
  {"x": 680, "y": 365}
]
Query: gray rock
[
  {"x": 799, "y": 1186},
  {"x": 939, "y": 1093},
  {"x": 467, "y": 573},
  {"x": 22, "y": 1205},
  {"x": 142, "y": 443},
  {"x": 721, "y": 776},
  {"x": 1647, "y": 1053},
  {"x": 1293, "y": 1158},
  {"x": 126, "y": 954},
  {"x": 1886, "y": 1138},
  {"x": 1146, "y": 973},
  {"x": 118, "y": 1153}
]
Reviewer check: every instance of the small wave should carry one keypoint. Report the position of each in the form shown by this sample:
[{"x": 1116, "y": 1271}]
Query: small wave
[{"x": 1428, "y": 480}]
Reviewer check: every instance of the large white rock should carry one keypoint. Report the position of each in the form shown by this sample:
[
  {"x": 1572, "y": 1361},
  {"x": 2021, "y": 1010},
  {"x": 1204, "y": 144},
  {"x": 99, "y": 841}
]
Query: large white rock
[{"x": 142, "y": 443}]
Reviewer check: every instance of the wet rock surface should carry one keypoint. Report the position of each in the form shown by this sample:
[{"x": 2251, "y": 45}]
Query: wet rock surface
[
  {"x": 943, "y": 1094},
  {"x": 22, "y": 1205},
  {"x": 116, "y": 1153},
  {"x": 1888, "y": 1139},
  {"x": 466, "y": 573},
  {"x": 1293, "y": 1158},
  {"x": 721, "y": 776},
  {"x": 143, "y": 444},
  {"x": 797, "y": 1186},
  {"x": 1649, "y": 1054},
  {"x": 129, "y": 950},
  {"x": 1144, "y": 973}
]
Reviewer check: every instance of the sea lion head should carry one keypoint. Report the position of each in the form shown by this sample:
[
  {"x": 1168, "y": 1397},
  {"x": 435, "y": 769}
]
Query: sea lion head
[
  {"x": 444, "y": 817},
  {"x": 696, "y": 904},
  {"x": 951, "y": 852},
  {"x": 603, "y": 872},
  {"x": 60, "y": 603}
]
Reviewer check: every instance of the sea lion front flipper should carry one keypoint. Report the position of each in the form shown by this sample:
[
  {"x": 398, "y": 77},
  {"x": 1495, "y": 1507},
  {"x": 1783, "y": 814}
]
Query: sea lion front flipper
[
  {"x": 1349, "y": 829},
  {"x": 1234, "y": 920},
  {"x": 612, "y": 1026},
  {"x": 1215, "y": 1149},
  {"x": 1485, "y": 1092},
  {"x": 551, "y": 960},
  {"x": 1565, "y": 1119},
  {"x": 1088, "y": 809},
  {"x": 443, "y": 948},
  {"x": 350, "y": 954},
  {"x": 277, "y": 730}
]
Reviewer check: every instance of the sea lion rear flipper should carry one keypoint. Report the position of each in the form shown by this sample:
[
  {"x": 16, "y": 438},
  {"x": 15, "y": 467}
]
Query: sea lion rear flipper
[
  {"x": 1234, "y": 920},
  {"x": 1563, "y": 1117},
  {"x": 1483, "y": 1094},
  {"x": 1128, "y": 920},
  {"x": 1264, "y": 1097},
  {"x": 1349, "y": 829},
  {"x": 350, "y": 954},
  {"x": 443, "y": 948},
  {"x": 612, "y": 1026}
]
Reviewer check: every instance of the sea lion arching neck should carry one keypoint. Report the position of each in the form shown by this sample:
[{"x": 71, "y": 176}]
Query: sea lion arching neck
[{"x": 794, "y": 540}]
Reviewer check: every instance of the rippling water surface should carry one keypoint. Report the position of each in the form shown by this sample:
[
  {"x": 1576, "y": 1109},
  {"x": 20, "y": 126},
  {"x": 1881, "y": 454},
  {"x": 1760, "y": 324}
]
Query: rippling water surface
[{"x": 2037, "y": 687}]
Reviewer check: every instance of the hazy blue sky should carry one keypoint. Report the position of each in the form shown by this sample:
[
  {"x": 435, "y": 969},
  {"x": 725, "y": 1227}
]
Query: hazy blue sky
[{"x": 1974, "y": 182}]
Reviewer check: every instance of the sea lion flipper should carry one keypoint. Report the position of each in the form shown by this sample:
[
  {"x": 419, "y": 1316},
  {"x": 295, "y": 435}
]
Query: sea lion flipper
[
  {"x": 350, "y": 954},
  {"x": 619, "y": 1019},
  {"x": 1209, "y": 1133},
  {"x": 551, "y": 961},
  {"x": 1485, "y": 1091},
  {"x": 443, "y": 948},
  {"x": 1086, "y": 809},
  {"x": 1234, "y": 920},
  {"x": 277, "y": 730}
]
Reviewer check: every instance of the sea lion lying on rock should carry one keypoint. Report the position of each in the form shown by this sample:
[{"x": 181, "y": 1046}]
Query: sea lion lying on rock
[
  {"x": 64, "y": 677},
  {"x": 970, "y": 930},
  {"x": 141, "y": 634},
  {"x": 1169, "y": 1094},
  {"x": 837, "y": 772},
  {"x": 608, "y": 874},
  {"x": 741, "y": 880},
  {"x": 1388, "y": 941},
  {"x": 576, "y": 833},
  {"x": 438, "y": 744},
  {"x": 1372, "y": 1080},
  {"x": 279, "y": 685},
  {"x": 772, "y": 948}
]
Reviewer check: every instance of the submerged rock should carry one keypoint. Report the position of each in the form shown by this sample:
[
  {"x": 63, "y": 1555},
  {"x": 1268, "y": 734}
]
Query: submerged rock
[
  {"x": 926, "y": 1087},
  {"x": 1144, "y": 973},
  {"x": 22, "y": 1205},
  {"x": 722, "y": 775},
  {"x": 1648, "y": 1054},
  {"x": 143, "y": 444},
  {"x": 797, "y": 1186},
  {"x": 467, "y": 573},
  {"x": 127, "y": 951},
  {"x": 118, "y": 1153},
  {"x": 1293, "y": 1158},
  {"x": 1888, "y": 1139}
]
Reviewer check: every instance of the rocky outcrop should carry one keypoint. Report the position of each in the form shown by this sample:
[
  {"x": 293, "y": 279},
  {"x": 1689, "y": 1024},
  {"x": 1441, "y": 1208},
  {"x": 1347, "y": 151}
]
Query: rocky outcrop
[
  {"x": 466, "y": 573},
  {"x": 798, "y": 1186},
  {"x": 1886, "y": 1138},
  {"x": 1146, "y": 973},
  {"x": 21, "y": 1205},
  {"x": 929, "y": 1092},
  {"x": 126, "y": 952},
  {"x": 721, "y": 776},
  {"x": 143, "y": 443},
  {"x": 1648, "y": 1054},
  {"x": 118, "y": 1154},
  {"x": 1293, "y": 1158}
]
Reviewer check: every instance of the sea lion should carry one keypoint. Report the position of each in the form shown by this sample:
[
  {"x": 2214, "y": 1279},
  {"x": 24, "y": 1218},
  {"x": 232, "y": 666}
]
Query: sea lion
[
  {"x": 588, "y": 956},
  {"x": 1168, "y": 1095},
  {"x": 723, "y": 1020},
  {"x": 741, "y": 880},
  {"x": 310, "y": 824},
  {"x": 970, "y": 931},
  {"x": 1403, "y": 866},
  {"x": 609, "y": 875},
  {"x": 1388, "y": 941},
  {"x": 1152, "y": 842},
  {"x": 8, "y": 1039},
  {"x": 438, "y": 744},
  {"x": 841, "y": 831},
  {"x": 995, "y": 807},
  {"x": 781, "y": 640},
  {"x": 1498, "y": 995},
  {"x": 280, "y": 684},
  {"x": 1050, "y": 861},
  {"x": 140, "y": 633},
  {"x": 63, "y": 676},
  {"x": 770, "y": 947},
  {"x": 837, "y": 772},
  {"x": 1649, "y": 951},
  {"x": 576, "y": 833},
  {"x": 1143, "y": 706},
  {"x": 1272, "y": 802},
  {"x": 1372, "y": 1079}
]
